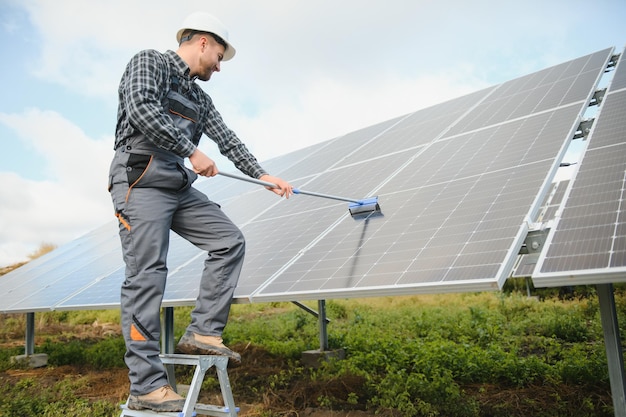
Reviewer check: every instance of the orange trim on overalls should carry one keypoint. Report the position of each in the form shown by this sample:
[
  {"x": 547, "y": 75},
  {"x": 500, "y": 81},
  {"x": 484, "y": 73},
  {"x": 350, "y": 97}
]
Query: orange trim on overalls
[
  {"x": 136, "y": 334},
  {"x": 182, "y": 116},
  {"x": 123, "y": 221}
]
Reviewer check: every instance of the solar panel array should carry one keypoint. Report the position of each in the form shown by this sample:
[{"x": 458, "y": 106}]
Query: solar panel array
[
  {"x": 458, "y": 184},
  {"x": 456, "y": 211},
  {"x": 588, "y": 244}
]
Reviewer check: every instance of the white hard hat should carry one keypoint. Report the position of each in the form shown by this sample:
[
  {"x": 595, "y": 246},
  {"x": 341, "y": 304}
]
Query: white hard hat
[{"x": 205, "y": 22}]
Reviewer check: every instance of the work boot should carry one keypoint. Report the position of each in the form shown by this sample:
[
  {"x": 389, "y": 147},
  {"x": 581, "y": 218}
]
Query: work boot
[
  {"x": 163, "y": 399},
  {"x": 195, "y": 344}
]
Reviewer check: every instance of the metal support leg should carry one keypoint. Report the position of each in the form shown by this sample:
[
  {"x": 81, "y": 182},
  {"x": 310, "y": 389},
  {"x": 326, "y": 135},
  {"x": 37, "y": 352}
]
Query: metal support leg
[
  {"x": 167, "y": 343},
  {"x": 30, "y": 334},
  {"x": 613, "y": 346},
  {"x": 321, "y": 306},
  {"x": 191, "y": 407}
]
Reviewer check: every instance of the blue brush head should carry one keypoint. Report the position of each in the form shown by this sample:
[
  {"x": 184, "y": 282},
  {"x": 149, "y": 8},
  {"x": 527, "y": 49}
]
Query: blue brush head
[{"x": 364, "y": 207}]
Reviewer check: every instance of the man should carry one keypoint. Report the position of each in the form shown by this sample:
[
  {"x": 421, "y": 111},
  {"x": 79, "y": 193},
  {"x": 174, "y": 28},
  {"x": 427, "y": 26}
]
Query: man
[{"x": 162, "y": 114}]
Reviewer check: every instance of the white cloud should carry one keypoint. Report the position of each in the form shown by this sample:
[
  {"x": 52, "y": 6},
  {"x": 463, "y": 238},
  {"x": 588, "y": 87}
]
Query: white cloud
[
  {"x": 72, "y": 158},
  {"x": 85, "y": 45},
  {"x": 71, "y": 201},
  {"x": 284, "y": 47}
]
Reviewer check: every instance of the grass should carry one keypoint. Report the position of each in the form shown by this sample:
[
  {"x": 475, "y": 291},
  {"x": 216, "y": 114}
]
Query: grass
[{"x": 452, "y": 355}]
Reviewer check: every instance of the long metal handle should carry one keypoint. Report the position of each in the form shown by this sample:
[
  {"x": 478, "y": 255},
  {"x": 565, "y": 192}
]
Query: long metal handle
[
  {"x": 332, "y": 197},
  {"x": 295, "y": 190},
  {"x": 248, "y": 179}
]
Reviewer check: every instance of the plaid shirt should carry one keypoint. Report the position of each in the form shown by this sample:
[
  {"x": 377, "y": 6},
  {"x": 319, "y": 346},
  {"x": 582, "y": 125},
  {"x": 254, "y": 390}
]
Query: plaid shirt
[{"x": 144, "y": 85}]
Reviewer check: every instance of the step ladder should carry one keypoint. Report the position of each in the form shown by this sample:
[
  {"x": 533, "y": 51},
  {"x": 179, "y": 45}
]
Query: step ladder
[{"x": 191, "y": 407}]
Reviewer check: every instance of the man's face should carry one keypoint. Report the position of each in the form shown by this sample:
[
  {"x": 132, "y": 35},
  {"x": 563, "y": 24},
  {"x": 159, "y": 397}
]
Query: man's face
[{"x": 211, "y": 56}]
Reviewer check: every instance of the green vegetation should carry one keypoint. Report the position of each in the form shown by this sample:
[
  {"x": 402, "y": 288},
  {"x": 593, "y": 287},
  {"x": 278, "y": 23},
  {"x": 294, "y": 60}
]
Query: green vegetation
[
  {"x": 28, "y": 398},
  {"x": 452, "y": 355}
]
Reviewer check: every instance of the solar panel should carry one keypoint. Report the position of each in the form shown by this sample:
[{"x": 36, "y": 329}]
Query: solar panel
[
  {"x": 454, "y": 213},
  {"x": 448, "y": 225},
  {"x": 541, "y": 91},
  {"x": 458, "y": 184},
  {"x": 40, "y": 283},
  {"x": 588, "y": 244}
]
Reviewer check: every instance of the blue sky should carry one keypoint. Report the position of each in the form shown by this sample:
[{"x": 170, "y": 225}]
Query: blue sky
[{"x": 304, "y": 72}]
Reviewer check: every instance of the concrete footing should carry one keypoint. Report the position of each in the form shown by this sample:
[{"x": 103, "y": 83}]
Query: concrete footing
[
  {"x": 314, "y": 358},
  {"x": 37, "y": 360}
]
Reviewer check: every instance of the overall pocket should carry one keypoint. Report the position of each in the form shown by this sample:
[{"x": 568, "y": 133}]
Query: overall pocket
[
  {"x": 153, "y": 171},
  {"x": 136, "y": 167}
]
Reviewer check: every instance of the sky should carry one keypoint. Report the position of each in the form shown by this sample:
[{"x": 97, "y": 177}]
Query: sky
[{"x": 304, "y": 72}]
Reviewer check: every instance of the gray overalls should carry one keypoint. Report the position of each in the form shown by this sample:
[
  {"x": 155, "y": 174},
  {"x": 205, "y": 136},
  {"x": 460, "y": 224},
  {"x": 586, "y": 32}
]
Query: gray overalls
[{"x": 152, "y": 193}]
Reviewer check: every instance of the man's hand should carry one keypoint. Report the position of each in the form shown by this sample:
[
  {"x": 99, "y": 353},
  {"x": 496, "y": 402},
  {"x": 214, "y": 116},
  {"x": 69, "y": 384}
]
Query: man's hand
[
  {"x": 202, "y": 164},
  {"x": 284, "y": 188}
]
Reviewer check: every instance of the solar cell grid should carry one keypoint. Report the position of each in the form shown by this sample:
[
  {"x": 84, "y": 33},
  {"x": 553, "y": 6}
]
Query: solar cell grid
[
  {"x": 268, "y": 252},
  {"x": 100, "y": 294},
  {"x": 53, "y": 268},
  {"x": 37, "y": 296},
  {"x": 619, "y": 77},
  {"x": 587, "y": 244},
  {"x": 449, "y": 219},
  {"x": 334, "y": 152},
  {"x": 278, "y": 165},
  {"x": 572, "y": 79},
  {"x": 257, "y": 201},
  {"x": 419, "y": 128}
]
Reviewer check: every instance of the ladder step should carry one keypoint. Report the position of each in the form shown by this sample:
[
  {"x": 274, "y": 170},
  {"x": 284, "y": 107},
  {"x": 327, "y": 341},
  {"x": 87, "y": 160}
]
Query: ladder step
[
  {"x": 192, "y": 408},
  {"x": 205, "y": 409},
  {"x": 149, "y": 413},
  {"x": 210, "y": 360},
  {"x": 213, "y": 410}
]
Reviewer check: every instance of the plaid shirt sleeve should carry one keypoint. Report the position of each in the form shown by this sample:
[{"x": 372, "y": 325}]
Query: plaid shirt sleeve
[
  {"x": 228, "y": 142},
  {"x": 142, "y": 88}
]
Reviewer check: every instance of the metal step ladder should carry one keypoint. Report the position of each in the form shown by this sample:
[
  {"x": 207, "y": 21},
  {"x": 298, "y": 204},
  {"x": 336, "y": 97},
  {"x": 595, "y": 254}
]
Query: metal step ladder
[{"x": 191, "y": 407}]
